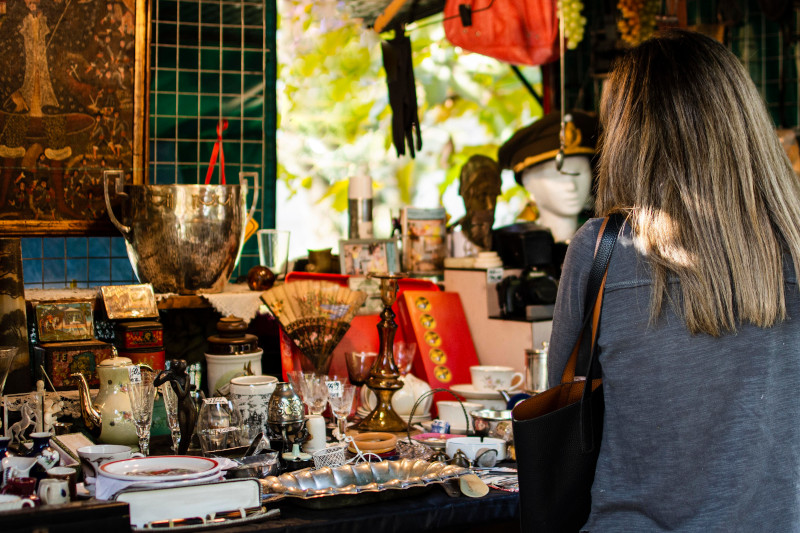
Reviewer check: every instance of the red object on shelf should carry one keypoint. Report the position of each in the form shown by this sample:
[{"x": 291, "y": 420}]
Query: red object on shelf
[
  {"x": 437, "y": 323},
  {"x": 363, "y": 333}
]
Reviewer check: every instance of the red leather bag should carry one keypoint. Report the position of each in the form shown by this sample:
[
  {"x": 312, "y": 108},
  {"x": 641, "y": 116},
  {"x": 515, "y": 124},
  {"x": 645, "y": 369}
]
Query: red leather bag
[{"x": 521, "y": 32}]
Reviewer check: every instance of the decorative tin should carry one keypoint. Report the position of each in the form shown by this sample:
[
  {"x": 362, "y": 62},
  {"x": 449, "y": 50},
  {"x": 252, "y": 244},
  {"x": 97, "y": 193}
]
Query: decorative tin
[
  {"x": 129, "y": 301},
  {"x": 139, "y": 335},
  {"x": 64, "y": 321},
  {"x": 155, "y": 358},
  {"x": 64, "y": 358}
]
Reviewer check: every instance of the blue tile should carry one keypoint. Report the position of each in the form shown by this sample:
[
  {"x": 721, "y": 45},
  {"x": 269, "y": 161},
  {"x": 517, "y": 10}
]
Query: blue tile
[
  {"x": 99, "y": 246},
  {"x": 31, "y": 248},
  {"x": 118, "y": 248},
  {"x": 54, "y": 270},
  {"x": 121, "y": 270},
  {"x": 99, "y": 269},
  {"x": 76, "y": 247},
  {"x": 53, "y": 247},
  {"x": 76, "y": 269},
  {"x": 53, "y": 285},
  {"x": 32, "y": 270}
]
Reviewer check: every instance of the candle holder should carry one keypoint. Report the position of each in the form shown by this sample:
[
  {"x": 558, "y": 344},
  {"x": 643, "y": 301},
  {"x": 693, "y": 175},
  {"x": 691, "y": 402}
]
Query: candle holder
[{"x": 383, "y": 376}]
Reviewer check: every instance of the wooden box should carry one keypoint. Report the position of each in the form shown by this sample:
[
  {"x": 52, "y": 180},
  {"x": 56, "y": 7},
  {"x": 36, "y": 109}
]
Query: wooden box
[{"x": 64, "y": 358}]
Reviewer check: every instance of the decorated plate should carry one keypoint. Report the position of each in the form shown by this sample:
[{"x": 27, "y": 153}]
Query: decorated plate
[{"x": 160, "y": 468}]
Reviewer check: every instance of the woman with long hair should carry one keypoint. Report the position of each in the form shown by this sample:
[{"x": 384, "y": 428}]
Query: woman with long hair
[{"x": 699, "y": 336}]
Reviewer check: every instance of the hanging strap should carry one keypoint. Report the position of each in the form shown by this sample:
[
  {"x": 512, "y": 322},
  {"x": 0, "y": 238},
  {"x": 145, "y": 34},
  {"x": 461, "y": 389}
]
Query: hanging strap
[
  {"x": 606, "y": 238},
  {"x": 221, "y": 126}
]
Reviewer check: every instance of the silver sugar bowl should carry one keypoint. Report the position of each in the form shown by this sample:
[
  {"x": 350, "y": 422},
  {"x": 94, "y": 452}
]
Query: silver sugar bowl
[{"x": 285, "y": 416}]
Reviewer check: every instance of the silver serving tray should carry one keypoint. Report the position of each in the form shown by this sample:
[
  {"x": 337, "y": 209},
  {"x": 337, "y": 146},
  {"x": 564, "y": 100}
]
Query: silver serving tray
[{"x": 360, "y": 478}]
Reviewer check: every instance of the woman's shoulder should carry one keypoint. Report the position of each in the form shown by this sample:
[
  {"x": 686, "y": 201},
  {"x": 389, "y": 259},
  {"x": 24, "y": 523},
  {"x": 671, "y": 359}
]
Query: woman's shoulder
[{"x": 586, "y": 234}]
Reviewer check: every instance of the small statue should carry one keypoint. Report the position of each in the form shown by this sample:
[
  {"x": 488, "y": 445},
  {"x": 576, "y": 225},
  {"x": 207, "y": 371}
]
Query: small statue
[
  {"x": 187, "y": 412},
  {"x": 480, "y": 186}
]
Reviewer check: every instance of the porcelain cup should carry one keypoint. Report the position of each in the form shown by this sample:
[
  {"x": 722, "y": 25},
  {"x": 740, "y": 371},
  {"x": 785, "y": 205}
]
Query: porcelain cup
[
  {"x": 54, "y": 491},
  {"x": 94, "y": 456},
  {"x": 490, "y": 378},
  {"x": 15, "y": 467},
  {"x": 452, "y": 412},
  {"x": 67, "y": 473},
  {"x": 250, "y": 395},
  {"x": 9, "y": 502}
]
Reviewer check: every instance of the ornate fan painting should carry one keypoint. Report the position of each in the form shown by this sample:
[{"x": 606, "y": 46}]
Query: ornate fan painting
[{"x": 69, "y": 110}]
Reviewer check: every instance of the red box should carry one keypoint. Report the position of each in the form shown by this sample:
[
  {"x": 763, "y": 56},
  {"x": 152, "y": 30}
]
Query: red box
[
  {"x": 138, "y": 335},
  {"x": 64, "y": 358},
  {"x": 155, "y": 358}
]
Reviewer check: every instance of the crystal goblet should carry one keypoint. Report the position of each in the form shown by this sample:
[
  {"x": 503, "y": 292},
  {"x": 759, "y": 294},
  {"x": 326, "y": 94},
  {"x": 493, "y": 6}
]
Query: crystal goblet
[
  {"x": 340, "y": 397},
  {"x": 142, "y": 393},
  {"x": 171, "y": 406}
]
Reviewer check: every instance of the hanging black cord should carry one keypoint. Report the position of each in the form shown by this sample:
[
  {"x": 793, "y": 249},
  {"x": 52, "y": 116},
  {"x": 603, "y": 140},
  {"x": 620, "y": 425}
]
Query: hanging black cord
[
  {"x": 459, "y": 15},
  {"x": 527, "y": 85}
]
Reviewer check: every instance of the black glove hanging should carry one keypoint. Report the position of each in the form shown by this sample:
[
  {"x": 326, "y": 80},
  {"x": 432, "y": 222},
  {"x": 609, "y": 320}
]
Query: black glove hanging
[{"x": 402, "y": 93}]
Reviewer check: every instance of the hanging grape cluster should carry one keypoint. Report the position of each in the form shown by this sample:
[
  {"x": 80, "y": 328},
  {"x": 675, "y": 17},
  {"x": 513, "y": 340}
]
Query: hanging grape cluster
[
  {"x": 638, "y": 21},
  {"x": 574, "y": 22}
]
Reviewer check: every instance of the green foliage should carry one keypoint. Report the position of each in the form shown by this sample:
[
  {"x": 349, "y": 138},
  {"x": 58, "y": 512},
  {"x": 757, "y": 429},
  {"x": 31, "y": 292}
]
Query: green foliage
[{"x": 335, "y": 115}]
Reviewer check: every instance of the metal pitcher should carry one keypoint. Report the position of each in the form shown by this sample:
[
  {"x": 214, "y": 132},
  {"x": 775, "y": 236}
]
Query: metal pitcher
[{"x": 183, "y": 239}]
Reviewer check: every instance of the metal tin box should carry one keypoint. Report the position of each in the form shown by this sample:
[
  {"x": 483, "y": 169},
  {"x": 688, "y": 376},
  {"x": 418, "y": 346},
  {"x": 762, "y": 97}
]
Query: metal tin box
[
  {"x": 139, "y": 335},
  {"x": 64, "y": 358}
]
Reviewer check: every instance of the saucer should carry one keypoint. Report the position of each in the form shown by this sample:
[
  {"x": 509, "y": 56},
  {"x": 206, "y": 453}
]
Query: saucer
[{"x": 468, "y": 391}]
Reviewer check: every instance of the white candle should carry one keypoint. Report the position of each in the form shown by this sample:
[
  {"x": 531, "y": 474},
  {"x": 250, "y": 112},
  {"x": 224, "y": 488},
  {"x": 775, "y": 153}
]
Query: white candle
[{"x": 316, "y": 431}]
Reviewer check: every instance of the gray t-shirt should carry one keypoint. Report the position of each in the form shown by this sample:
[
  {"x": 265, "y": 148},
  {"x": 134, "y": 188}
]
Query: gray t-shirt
[{"x": 700, "y": 433}]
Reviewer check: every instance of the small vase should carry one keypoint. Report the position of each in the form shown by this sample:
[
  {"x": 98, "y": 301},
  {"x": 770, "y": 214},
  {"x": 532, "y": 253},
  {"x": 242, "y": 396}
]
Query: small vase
[
  {"x": 4, "y": 444},
  {"x": 46, "y": 456}
]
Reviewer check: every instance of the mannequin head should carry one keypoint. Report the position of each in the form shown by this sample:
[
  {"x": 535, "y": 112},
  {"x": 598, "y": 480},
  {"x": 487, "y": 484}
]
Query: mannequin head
[
  {"x": 560, "y": 196},
  {"x": 531, "y": 153},
  {"x": 479, "y": 187}
]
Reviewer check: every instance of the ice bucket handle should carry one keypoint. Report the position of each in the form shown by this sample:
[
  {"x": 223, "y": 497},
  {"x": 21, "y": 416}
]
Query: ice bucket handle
[
  {"x": 243, "y": 180},
  {"x": 119, "y": 184}
]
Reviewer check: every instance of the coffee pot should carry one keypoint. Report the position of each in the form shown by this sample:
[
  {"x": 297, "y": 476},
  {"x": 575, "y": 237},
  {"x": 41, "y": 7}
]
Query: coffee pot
[{"x": 108, "y": 418}]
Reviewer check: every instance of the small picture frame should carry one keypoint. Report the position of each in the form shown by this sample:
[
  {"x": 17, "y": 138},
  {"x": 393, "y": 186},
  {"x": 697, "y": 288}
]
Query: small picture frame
[
  {"x": 424, "y": 233},
  {"x": 359, "y": 257},
  {"x": 130, "y": 301},
  {"x": 64, "y": 321}
]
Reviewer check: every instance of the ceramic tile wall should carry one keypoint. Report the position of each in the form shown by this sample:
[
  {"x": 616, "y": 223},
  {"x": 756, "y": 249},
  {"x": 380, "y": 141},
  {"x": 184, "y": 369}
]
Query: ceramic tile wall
[{"x": 210, "y": 60}]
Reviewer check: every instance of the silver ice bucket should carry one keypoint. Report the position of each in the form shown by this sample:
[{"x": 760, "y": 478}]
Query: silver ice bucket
[{"x": 182, "y": 239}]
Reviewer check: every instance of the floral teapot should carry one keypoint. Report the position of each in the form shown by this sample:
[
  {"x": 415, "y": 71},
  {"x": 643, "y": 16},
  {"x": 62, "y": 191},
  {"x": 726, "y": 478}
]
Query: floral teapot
[{"x": 109, "y": 417}]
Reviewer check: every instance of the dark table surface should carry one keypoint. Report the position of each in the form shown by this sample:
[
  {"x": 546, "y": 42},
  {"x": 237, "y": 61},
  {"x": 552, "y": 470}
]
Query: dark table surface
[{"x": 431, "y": 510}]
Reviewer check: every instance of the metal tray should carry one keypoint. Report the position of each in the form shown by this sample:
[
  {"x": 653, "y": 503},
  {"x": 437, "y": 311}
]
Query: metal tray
[{"x": 400, "y": 477}]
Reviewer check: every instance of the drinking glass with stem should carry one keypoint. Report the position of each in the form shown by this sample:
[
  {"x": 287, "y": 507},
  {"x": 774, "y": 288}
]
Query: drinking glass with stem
[
  {"x": 171, "y": 406},
  {"x": 142, "y": 393},
  {"x": 340, "y": 397}
]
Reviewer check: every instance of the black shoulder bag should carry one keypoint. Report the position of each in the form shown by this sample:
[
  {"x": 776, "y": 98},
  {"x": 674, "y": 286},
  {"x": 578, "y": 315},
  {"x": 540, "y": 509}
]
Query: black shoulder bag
[{"x": 557, "y": 432}]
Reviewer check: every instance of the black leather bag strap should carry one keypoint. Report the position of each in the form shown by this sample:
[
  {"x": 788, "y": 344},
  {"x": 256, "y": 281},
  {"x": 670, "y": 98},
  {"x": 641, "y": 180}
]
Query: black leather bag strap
[
  {"x": 591, "y": 325},
  {"x": 602, "y": 256}
]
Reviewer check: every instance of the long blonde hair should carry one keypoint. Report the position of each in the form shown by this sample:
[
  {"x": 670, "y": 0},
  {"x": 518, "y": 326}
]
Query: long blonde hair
[{"x": 690, "y": 153}]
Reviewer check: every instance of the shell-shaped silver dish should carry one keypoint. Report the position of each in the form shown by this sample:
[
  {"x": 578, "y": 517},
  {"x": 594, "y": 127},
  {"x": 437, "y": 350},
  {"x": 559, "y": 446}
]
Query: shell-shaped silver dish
[{"x": 360, "y": 478}]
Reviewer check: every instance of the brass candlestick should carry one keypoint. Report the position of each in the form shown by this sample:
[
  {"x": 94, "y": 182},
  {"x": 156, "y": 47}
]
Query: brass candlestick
[{"x": 383, "y": 376}]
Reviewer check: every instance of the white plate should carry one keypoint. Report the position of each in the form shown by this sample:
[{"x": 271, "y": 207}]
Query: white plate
[
  {"x": 161, "y": 468},
  {"x": 216, "y": 476},
  {"x": 468, "y": 391}
]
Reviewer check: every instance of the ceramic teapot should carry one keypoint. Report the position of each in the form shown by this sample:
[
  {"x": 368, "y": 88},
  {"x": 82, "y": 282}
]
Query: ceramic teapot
[{"x": 109, "y": 417}]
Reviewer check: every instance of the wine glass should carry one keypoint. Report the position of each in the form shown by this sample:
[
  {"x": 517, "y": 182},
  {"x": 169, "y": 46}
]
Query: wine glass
[
  {"x": 142, "y": 393},
  {"x": 7, "y": 355},
  {"x": 404, "y": 356},
  {"x": 340, "y": 396},
  {"x": 171, "y": 406},
  {"x": 358, "y": 367},
  {"x": 315, "y": 393}
]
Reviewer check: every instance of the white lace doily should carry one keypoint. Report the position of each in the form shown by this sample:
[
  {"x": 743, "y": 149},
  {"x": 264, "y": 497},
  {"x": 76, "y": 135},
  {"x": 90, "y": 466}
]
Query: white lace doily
[{"x": 238, "y": 300}]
